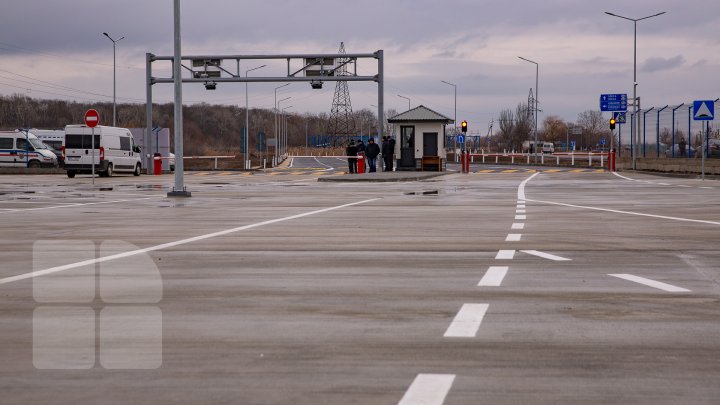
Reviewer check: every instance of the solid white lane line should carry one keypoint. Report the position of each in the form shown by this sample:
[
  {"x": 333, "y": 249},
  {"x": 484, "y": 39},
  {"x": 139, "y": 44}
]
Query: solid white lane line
[
  {"x": 521, "y": 188},
  {"x": 428, "y": 389},
  {"x": 623, "y": 177},
  {"x": 467, "y": 321},
  {"x": 518, "y": 225},
  {"x": 505, "y": 255},
  {"x": 629, "y": 212},
  {"x": 513, "y": 237},
  {"x": 494, "y": 276},
  {"x": 650, "y": 283},
  {"x": 176, "y": 243},
  {"x": 76, "y": 205},
  {"x": 328, "y": 166},
  {"x": 546, "y": 255},
  {"x": 520, "y": 217}
]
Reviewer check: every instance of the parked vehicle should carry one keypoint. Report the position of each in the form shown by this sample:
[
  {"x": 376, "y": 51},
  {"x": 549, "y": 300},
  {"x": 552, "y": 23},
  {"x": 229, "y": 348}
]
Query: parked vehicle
[
  {"x": 115, "y": 151},
  {"x": 57, "y": 152},
  {"x": 542, "y": 147},
  {"x": 23, "y": 149}
]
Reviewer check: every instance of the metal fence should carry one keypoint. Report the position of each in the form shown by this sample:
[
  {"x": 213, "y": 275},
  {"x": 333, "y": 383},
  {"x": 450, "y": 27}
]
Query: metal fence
[{"x": 662, "y": 129}]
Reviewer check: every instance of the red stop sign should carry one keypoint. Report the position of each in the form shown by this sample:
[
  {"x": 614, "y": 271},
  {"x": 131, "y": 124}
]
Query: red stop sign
[{"x": 91, "y": 118}]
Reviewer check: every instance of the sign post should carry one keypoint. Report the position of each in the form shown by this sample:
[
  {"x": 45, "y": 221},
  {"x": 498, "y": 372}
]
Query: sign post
[
  {"x": 704, "y": 111},
  {"x": 91, "y": 120}
]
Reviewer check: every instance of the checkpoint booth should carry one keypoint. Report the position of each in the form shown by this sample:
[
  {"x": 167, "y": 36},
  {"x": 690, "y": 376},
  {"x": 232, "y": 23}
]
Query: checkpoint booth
[{"x": 421, "y": 143}]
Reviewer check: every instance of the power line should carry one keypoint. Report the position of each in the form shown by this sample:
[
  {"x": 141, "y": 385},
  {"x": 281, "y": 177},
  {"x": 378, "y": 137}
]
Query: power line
[{"x": 4, "y": 45}]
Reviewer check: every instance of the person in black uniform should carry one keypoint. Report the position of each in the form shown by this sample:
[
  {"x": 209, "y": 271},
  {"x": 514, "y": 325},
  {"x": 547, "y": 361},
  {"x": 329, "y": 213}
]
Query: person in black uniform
[
  {"x": 372, "y": 151},
  {"x": 351, "y": 150}
]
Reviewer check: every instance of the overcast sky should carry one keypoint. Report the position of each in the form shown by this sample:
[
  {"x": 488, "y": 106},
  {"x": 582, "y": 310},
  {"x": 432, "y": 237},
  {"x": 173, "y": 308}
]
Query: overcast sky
[{"x": 475, "y": 44}]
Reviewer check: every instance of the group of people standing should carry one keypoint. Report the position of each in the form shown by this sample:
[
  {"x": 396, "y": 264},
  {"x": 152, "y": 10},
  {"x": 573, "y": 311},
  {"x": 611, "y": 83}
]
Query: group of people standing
[{"x": 371, "y": 151}]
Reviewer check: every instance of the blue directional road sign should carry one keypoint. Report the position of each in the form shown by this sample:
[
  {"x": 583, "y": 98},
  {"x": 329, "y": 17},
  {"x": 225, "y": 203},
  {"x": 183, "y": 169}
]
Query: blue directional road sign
[
  {"x": 461, "y": 139},
  {"x": 703, "y": 110},
  {"x": 613, "y": 102},
  {"x": 572, "y": 144},
  {"x": 602, "y": 141},
  {"x": 620, "y": 117}
]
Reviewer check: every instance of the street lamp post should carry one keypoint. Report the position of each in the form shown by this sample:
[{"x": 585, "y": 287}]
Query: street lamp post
[
  {"x": 278, "y": 136},
  {"x": 406, "y": 98},
  {"x": 454, "y": 117},
  {"x": 537, "y": 77},
  {"x": 114, "y": 41},
  {"x": 635, "y": 83},
  {"x": 247, "y": 120},
  {"x": 285, "y": 134},
  {"x": 277, "y": 156}
]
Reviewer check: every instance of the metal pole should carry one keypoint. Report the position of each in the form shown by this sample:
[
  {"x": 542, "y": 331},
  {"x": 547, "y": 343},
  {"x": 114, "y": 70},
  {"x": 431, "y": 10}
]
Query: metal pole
[
  {"x": 635, "y": 100},
  {"x": 381, "y": 94},
  {"x": 406, "y": 98},
  {"x": 537, "y": 79},
  {"x": 114, "y": 69},
  {"x": 247, "y": 121},
  {"x": 179, "y": 190},
  {"x": 92, "y": 142},
  {"x": 148, "y": 114}
]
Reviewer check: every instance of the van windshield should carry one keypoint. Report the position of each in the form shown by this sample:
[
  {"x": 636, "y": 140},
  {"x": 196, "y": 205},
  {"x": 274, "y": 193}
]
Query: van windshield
[{"x": 37, "y": 143}]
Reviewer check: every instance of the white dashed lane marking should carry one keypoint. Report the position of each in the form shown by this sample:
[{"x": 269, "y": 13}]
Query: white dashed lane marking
[
  {"x": 494, "y": 276},
  {"x": 513, "y": 237},
  {"x": 428, "y": 389},
  {"x": 546, "y": 255},
  {"x": 505, "y": 255},
  {"x": 520, "y": 217},
  {"x": 467, "y": 321},
  {"x": 518, "y": 225}
]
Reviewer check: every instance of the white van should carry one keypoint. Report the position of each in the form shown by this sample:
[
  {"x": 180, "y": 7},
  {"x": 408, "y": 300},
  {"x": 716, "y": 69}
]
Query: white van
[
  {"x": 23, "y": 149},
  {"x": 115, "y": 151}
]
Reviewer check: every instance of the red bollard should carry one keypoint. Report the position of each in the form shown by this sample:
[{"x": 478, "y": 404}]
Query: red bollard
[
  {"x": 361, "y": 164},
  {"x": 157, "y": 164}
]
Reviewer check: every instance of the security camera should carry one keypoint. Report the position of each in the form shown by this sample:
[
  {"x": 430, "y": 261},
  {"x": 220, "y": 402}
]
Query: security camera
[
  {"x": 316, "y": 84},
  {"x": 211, "y": 85}
]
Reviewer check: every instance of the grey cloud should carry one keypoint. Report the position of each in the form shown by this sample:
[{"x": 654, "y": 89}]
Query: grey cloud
[{"x": 658, "y": 64}]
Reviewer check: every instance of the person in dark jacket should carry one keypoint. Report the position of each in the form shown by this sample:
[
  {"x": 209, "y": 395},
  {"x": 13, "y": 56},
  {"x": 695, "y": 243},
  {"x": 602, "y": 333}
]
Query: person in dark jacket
[
  {"x": 371, "y": 152},
  {"x": 389, "y": 158},
  {"x": 351, "y": 150},
  {"x": 361, "y": 147}
]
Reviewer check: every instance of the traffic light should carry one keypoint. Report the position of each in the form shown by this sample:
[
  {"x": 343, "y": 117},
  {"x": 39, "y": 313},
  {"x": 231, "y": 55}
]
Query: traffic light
[
  {"x": 612, "y": 124},
  {"x": 463, "y": 125}
]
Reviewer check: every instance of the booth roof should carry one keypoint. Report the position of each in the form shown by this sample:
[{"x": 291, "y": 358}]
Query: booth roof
[{"x": 420, "y": 114}]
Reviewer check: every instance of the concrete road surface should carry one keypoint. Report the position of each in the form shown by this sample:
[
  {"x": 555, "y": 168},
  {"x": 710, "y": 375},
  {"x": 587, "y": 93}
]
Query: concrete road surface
[{"x": 495, "y": 287}]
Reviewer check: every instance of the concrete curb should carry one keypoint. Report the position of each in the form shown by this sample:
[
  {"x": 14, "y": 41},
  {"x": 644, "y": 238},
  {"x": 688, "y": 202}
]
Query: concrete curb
[{"x": 381, "y": 177}]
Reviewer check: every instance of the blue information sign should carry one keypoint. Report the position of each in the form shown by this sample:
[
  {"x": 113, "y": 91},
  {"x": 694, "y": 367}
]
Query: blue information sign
[
  {"x": 613, "y": 102},
  {"x": 620, "y": 117},
  {"x": 602, "y": 141},
  {"x": 703, "y": 110},
  {"x": 461, "y": 139}
]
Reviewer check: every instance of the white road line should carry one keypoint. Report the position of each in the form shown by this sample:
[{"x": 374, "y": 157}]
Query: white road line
[
  {"x": 518, "y": 211},
  {"x": 328, "y": 166},
  {"x": 707, "y": 188},
  {"x": 467, "y": 321},
  {"x": 176, "y": 243},
  {"x": 505, "y": 255},
  {"x": 494, "y": 276},
  {"x": 546, "y": 255},
  {"x": 428, "y": 389},
  {"x": 629, "y": 213},
  {"x": 518, "y": 225},
  {"x": 684, "y": 185},
  {"x": 521, "y": 206},
  {"x": 75, "y": 205},
  {"x": 521, "y": 188},
  {"x": 650, "y": 283},
  {"x": 520, "y": 217},
  {"x": 513, "y": 237},
  {"x": 623, "y": 177},
  {"x": 663, "y": 184}
]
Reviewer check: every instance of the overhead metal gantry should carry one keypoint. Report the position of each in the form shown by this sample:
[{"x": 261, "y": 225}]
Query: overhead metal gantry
[{"x": 213, "y": 69}]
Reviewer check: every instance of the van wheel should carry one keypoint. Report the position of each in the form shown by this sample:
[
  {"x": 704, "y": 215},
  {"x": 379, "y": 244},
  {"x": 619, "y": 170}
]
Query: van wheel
[
  {"x": 34, "y": 164},
  {"x": 109, "y": 171},
  {"x": 137, "y": 170},
  {"x": 71, "y": 173}
]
